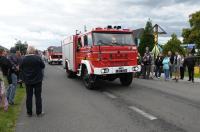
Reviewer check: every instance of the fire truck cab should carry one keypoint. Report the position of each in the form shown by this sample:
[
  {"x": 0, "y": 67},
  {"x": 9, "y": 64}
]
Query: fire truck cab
[
  {"x": 103, "y": 53},
  {"x": 54, "y": 55}
]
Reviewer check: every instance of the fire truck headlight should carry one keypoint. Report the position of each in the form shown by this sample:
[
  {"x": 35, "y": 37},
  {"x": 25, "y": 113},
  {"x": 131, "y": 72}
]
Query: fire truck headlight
[
  {"x": 105, "y": 70},
  {"x": 135, "y": 68}
]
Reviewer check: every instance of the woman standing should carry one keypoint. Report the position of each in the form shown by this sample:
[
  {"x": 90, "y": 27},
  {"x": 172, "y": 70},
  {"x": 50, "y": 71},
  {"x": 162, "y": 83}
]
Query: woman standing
[
  {"x": 5, "y": 66},
  {"x": 177, "y": 63},
  {"x": 3, "y": 99},
  {"x": 165, "y": 63}
]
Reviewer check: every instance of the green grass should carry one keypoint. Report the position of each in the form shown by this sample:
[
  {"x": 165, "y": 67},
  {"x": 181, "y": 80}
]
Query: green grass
[
  {"x": 8, "y": 119},
  {"x": 196, "y": 75}
]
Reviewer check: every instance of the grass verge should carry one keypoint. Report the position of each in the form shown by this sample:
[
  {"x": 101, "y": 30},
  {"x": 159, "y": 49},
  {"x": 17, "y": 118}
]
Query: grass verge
[
  {"x": 196, "y": 75},
  {"x": 8, "y": 119}
]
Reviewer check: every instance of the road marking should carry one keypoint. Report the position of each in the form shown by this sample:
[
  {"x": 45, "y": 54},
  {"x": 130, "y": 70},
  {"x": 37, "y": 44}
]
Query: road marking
[
  {"x": 147, "y": 115},
  {"x": 110, "y": 95}
]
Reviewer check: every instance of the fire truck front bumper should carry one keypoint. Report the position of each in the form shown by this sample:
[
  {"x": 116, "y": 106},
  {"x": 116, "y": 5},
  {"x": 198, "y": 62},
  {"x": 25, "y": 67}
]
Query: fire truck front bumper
[
  {"x": 55, "y": 60},
  {"x": 117, "y": 70}
]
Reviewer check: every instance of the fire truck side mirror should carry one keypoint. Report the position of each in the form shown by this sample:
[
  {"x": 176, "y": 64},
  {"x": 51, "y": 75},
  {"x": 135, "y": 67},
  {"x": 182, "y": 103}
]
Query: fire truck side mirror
[
  {"x": 77, "y": 49},
  {"x": 79, "y": 45}
]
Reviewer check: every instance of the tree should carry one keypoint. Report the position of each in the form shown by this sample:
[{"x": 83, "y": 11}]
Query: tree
[
  {"x": 22, "y": 47},
  {"x": 147, "y": 38},
  {"x": 186, "y": 36},
  {"x": 173, "y": 45},
  {"x": 192, "y": 34}
]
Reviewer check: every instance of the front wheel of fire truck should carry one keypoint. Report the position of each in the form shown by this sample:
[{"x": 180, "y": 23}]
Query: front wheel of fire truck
[
  {"x": 126, "y": 79},
  {"x": 88, "y": 80}
]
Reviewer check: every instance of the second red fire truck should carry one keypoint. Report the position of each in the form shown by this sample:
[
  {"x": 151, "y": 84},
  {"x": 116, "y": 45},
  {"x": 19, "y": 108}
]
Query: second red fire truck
[
  {"x": 103, "y": 53},
  {"x": 54, "y": 55}
]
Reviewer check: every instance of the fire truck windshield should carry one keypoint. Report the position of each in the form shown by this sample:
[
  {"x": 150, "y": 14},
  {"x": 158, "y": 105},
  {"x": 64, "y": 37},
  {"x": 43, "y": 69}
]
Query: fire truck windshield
[
  {"x": 113, "y": 39},
  {"x": 56, "y": 56}
]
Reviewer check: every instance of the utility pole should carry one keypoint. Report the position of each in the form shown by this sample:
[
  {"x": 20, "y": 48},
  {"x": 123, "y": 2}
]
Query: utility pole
[{"x": 156, "y": 31}]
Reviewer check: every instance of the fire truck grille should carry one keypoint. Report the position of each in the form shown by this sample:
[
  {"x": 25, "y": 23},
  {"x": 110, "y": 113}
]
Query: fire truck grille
[
  {"x": 118, "y": 64},
  {"x": 118, "y": 56}
]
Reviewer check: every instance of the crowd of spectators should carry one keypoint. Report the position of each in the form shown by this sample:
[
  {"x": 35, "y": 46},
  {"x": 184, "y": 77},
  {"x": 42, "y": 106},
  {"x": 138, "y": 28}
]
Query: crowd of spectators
[{"x": 173, "y": 66}]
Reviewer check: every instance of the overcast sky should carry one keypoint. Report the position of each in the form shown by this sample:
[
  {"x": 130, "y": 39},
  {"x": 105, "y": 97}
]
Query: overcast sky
[{"x": 46, "y": 22}]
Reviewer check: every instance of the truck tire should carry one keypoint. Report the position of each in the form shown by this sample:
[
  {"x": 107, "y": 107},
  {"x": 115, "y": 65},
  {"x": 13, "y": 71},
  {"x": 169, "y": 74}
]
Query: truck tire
[
  {"x": 112, "y": 78},
  {"x": 126, "y": 79},
  {"x": 88, "y": 80},
  {"x": 70, "y": 74}
]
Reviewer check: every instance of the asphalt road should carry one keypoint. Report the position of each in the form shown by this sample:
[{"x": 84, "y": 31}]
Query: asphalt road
[{"x": 145, "y": 106}]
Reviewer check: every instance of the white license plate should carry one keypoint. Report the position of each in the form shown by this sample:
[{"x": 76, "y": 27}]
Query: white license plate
[{"x": 121, "y": 71}]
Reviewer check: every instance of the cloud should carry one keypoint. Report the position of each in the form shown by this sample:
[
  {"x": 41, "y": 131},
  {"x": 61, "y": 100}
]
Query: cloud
[{"x": 47, "y": 22}]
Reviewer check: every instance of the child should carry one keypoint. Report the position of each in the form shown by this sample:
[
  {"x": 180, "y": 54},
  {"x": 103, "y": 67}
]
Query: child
[{"x": 3, "y": 98}]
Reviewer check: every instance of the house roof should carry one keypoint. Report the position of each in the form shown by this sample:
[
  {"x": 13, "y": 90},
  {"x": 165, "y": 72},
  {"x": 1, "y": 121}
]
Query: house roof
[
  {"x": 138, "y": 32},
  {"x": 1, "y": 47}
]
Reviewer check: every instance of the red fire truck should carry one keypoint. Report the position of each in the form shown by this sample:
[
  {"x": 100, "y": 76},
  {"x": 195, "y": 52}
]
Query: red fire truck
[
  {"x": 103, "y": 53},
  {"x": 54, "y": 54}
]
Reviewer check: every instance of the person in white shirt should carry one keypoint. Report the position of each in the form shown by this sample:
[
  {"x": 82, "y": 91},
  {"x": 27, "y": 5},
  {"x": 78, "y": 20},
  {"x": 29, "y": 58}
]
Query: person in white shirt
[{"x": 177, "y": 63}]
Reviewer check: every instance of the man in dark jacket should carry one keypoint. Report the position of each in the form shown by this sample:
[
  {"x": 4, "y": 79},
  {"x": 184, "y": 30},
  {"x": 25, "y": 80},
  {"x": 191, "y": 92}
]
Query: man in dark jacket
[
  {"x": 171, "y": 65},
  {"x": 190, "y": 63},
  {"x": 158, "y": 63},
  {"x": 4, "y": 63},
  {"x": 31, "y": 67}
]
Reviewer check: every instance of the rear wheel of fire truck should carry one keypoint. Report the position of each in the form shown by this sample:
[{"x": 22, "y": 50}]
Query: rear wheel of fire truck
[
  {"x": 126, "y": 79},
  {"x": 88, "y": 80}
]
